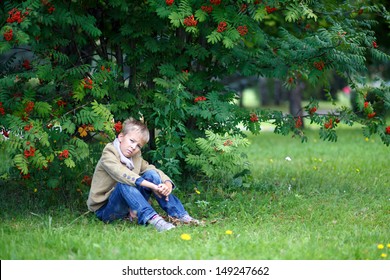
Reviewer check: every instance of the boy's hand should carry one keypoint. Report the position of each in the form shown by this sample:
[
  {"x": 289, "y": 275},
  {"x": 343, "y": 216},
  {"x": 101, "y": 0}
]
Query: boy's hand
[{"x": 165, "y": 189}]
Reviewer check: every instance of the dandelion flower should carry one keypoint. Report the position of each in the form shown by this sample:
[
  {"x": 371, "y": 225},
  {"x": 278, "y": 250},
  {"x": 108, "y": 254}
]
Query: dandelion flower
[
  {"x": 229, "y": 232},
  {"x": 388, "y": 245},
  {"x": 198, "y": 192},
  {"x": 380, "y": 246},
  {"x": 383, "y": 255},
  {"x": 35, "y": 190},
  {"x": 185, "y": 236}
]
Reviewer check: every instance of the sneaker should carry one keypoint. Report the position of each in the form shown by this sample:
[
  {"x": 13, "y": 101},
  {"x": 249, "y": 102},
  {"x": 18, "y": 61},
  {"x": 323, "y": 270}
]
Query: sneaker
[
  {"x": 160, "y": 224},
  {"x": 187, "y": 219}
]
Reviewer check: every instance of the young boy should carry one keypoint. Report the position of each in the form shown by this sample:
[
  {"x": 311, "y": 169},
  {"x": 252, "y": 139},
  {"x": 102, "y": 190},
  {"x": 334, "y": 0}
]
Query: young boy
[{"x": 123, "y": 183}]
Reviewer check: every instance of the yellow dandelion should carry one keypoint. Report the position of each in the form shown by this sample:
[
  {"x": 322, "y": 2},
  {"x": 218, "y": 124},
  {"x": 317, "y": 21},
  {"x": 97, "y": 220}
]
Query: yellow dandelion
[
  {"x": 381, "y": 246},
  {"x": 388, "y": 245},
  {"x": 229, "y": 232},
  {"x": 35, "y": 190},
  {"x": 185, "y": 236},
  {"x": 383, "y": 255},
  {"x": 197, "y": 191}
]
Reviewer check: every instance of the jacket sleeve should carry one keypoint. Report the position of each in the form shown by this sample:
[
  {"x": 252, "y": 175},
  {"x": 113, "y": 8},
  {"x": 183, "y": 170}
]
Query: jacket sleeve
[{"x": 111, "y": 164}]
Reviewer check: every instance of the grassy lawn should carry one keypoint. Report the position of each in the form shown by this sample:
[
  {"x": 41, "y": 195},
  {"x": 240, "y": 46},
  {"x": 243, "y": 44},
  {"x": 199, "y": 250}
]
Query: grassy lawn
[{"x": 325, "y": 201}]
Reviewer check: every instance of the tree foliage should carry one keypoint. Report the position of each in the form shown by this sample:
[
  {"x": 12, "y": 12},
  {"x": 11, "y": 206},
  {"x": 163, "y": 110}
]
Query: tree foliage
[{"x": 71, "y": 71}]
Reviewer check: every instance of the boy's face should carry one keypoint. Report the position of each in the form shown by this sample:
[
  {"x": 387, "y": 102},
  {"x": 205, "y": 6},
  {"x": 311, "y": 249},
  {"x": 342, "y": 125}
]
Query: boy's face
[{"x": 131, "y": 143}]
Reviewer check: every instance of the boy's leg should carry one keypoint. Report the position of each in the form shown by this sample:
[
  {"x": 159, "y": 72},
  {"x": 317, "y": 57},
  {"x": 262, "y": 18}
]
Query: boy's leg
[
  {"x": 121, "y": 199},
  {"x": 173, "y": 207}
]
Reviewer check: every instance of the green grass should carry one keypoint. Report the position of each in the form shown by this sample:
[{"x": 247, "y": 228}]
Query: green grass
[{"x": 331, "y": 201}]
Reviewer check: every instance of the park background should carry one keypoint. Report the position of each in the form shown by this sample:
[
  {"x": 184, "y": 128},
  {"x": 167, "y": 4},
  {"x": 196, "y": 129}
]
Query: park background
[{"x": 271, "y": 116}]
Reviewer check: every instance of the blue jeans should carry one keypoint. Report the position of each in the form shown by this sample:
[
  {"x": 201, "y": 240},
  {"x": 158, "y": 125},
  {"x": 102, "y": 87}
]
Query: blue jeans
[{"x": 125, "y": 197}]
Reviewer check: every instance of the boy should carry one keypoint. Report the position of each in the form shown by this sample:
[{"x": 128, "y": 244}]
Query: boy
[{"x": 124, "y": 181}]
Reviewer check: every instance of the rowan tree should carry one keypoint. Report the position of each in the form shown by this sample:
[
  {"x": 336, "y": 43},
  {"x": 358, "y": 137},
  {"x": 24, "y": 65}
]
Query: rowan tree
[{"x": 72, "y": 71}]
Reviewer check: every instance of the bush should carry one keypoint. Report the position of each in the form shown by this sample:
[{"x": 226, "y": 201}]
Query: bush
[{"x": 73, "y": 70}]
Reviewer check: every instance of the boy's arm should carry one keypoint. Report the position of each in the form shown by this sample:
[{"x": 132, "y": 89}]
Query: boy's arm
[
  {"x": 112, "y": 165},
  {"x": 145, "y": 166},
  {"x": 120, "y": 173}
]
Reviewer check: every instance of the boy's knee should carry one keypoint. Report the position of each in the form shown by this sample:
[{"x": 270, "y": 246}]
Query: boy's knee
[{"x": 152, "y": 176}]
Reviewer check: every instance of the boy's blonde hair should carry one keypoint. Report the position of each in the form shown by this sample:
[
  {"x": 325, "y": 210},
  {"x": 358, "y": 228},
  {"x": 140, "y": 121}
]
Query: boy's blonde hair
[{"x": 131, "y": 124}]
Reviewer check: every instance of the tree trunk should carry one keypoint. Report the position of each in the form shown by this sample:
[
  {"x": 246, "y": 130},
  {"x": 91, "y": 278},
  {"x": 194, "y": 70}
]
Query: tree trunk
[{"x": 295, "y": 99}]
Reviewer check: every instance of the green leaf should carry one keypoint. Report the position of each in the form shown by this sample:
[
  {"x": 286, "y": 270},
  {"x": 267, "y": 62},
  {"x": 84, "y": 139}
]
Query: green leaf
[
  {"x": 43, "y": 109},
  {"x": 69, "y": 163},
  {"x": 201, "y": 15},
  {"x": 228, "y": 43},
  {"x": 175, "y": 19},
  {"x": 292, "y": 13},
  {"x": 260, "y": 14},
  {"x": 69, "y": 126},
  {"x": 214, "y": 37},
  {"x": 21, "y": 163}
]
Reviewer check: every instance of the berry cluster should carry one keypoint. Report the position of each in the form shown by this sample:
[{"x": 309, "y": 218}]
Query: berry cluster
[
  {"x": 63, "y": 155},
  {"x": 29, "y": 107},
  {"x": 87, "y": 180},
  {"x": 28, "y": 127},
  {"x": 118, "y": 127},
  {"x": 270, "y": 9},
  {"x": 30, "y": 152},
  {"x": 2, "y": 111},
  {"x": 243, "y": 30},
  {"x": 26, "y": 64},
  {"x": 243, "y": 8},
  {"x": 103, "y": 68},
  {"x": 16, "y": 16},
  {"x": 369, "y": 110},
  {"x": 50, "y": 6},
  {"x": 221, "y": 26},
  {"x": 169, "y": 2},
  {"x": 298, "y": 122},
  {"x": 200, "y": 98},
  {"x": 8, "y": 35},
  {"x": 228, "y": 142},
  {"x": 61, "y": 103},
  {"x": 215, "y": 2},
  {"x": 330, "y": 123},
  {"x": 207, "y": 9},
  {"x": 254, "y": 117},
  {"x": 88, "y": 83},
  {"x": 190, "y": 21},
  {"x": 319, "y": 65}
]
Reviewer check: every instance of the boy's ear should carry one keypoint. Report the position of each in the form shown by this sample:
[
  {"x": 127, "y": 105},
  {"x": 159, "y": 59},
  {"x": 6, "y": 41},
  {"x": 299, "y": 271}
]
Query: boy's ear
[{"x": 120, "y": 136}]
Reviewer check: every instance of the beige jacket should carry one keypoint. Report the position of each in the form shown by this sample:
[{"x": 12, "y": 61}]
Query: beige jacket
[{"x": 109, "y": 171}]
